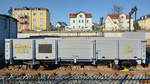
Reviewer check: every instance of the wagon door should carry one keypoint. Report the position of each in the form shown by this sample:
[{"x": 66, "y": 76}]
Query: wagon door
[
  {"x": 107, "y": 49},
  {"x": 75, "y": 49}
]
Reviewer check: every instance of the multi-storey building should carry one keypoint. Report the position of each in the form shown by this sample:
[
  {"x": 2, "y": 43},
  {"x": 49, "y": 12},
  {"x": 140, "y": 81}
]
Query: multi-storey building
[
  {"x": 32, "y": 18},
  {"x": 144, "y": 22},
  {"x": 80, "y": 21},
  {"x": 115, "y": 22}
]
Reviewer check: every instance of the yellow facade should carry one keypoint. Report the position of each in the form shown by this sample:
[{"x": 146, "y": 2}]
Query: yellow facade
[
  {"x": 144, "y": 24},
  {"x": 32, "y": 19}
]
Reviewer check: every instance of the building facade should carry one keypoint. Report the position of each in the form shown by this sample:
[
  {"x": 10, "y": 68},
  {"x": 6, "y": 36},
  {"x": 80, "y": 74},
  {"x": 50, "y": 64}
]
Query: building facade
[
  {"x": 95, "y": 26},
  {"x": 114, "y": 22},
  {"x": 32, "y": 18},
  {"x": 80, "y": 21},
  {"x": 144, "y": 22}
]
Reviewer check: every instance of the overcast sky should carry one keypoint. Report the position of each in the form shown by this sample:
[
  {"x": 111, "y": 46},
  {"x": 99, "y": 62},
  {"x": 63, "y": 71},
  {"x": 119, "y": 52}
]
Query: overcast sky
[{"x": 60, "y": 9}]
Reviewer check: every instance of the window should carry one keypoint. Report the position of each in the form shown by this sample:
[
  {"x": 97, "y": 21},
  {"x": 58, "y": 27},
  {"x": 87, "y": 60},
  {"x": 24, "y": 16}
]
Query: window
[
  {"x": 79, "y": 26},
  {"x": 73, "y": 27},
  {"x": 122, "y": 17},
  {"x": 82, "y": 21},
  {"x": 34, "y": 19},
  {"x": 41, "y": 25},
  {"x": 121, "y": 22},
  {"x": 27, "y": 27},
  {"x": 41, "y": 14},
  {"x": 34, "y": 25},
  {"x": 115, "y": 22},
  {"x": 41, "y": 19},
  {"x": 34, "y": 14},
  {"x": 80, "y": 16},
  {"x": 21, "y": 14},
  {"x": 27, "y": 19},
  {"x": 87, "y": 21},
  {"x": 79, "y": 21},
  {"x": 27, "y": 13},
  {"x": 21, "y": 27},
  {"x": 45, "y": 48},
  {"x": 73, "y": 21}
]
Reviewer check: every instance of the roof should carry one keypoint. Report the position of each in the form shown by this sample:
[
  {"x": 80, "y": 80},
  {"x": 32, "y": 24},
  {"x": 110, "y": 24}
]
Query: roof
[
  {"x": 74, "y": 15},
  {"x": 61, "y": 23},
  {"x": 145, "y": 17},
  {"x": 116, "y": 16},
  {"x": 7, "y": 16},
  {"x": 96, "y": 24},
  {"x": 28, "y": 8}
]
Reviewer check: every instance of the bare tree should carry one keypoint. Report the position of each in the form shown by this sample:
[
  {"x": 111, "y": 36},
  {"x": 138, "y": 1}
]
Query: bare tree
[{"x": 117, "y": 9}]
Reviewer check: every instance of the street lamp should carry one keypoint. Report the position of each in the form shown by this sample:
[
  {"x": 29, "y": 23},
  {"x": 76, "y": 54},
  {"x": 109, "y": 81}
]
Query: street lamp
[
  {"x": 134, "y": 10},
  {"x": 101, "y": 23}
]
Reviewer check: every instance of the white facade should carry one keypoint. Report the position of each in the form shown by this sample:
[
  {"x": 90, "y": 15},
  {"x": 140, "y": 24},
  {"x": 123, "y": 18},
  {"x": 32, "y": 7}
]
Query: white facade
[
  {"x": 80, "y": 21},
  {"x": 118, "y": 22}
]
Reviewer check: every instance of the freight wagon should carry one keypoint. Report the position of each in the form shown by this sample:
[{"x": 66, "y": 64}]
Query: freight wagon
[{"x": 91, "y": 50}]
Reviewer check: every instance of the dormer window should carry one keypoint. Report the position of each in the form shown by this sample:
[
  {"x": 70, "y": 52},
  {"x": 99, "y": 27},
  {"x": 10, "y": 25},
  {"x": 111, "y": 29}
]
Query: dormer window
[{"x": 122, "y": 17}]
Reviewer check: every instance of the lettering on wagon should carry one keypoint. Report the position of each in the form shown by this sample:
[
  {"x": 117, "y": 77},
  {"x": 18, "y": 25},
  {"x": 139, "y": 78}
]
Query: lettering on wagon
[
  {"x": 128, "y": 49},
  {"x": 22, "y": 48}
]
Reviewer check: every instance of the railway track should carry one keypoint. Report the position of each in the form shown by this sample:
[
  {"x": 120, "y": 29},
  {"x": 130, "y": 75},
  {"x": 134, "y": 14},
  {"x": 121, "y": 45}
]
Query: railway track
[
  {"x": 74, "y": 77},
  {"x": 67, "y": 72}
]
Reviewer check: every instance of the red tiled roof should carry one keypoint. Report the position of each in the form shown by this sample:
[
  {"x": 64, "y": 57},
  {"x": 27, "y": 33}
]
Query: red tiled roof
[
  {"x": 96, "y": 24},
  {"x": 116, "y": 16},
  {"x": 88, "y": 15},
  {"x": 72, "y": 15}
]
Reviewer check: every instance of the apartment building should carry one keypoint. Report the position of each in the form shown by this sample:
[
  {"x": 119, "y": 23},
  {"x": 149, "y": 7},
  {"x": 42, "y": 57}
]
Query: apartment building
[
  {"x": 32, "y": 18},
  {"x": 115, "y": 22},
  {"x": 144, "y": 22},
  {"x": 80, "y": 21}
]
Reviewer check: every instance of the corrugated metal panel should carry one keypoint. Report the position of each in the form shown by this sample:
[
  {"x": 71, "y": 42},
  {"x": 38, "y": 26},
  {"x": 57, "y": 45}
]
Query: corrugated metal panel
[
  {"x": 75, "y": 49},
  {"x": 129, "y": 49},
  {"x": 134, "y": 35},
  {"x": 107, "y": 49},
  {"x": 22, "y": 49}
]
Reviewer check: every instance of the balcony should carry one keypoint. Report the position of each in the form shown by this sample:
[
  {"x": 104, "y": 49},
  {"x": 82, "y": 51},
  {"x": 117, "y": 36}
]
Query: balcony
[
  {"x": 23, "y": 22},
  {"x": 23, "y": 16}
]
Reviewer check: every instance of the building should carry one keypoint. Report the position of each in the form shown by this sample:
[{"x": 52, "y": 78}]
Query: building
[
  {"x": 95, "y": 26},
  {"x": 144, "y": 22},
  {"x": 115, "y": 22},
  {"x": 80, "y": 21},
  {"x": 8, "y": 29},
  {"x": 60, "y": 25},
  {"x": 32, "y": 18}
]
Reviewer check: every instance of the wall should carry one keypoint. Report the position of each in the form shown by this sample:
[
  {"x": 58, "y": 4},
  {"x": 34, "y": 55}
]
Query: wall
[{"x": 25, "y": 35}]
